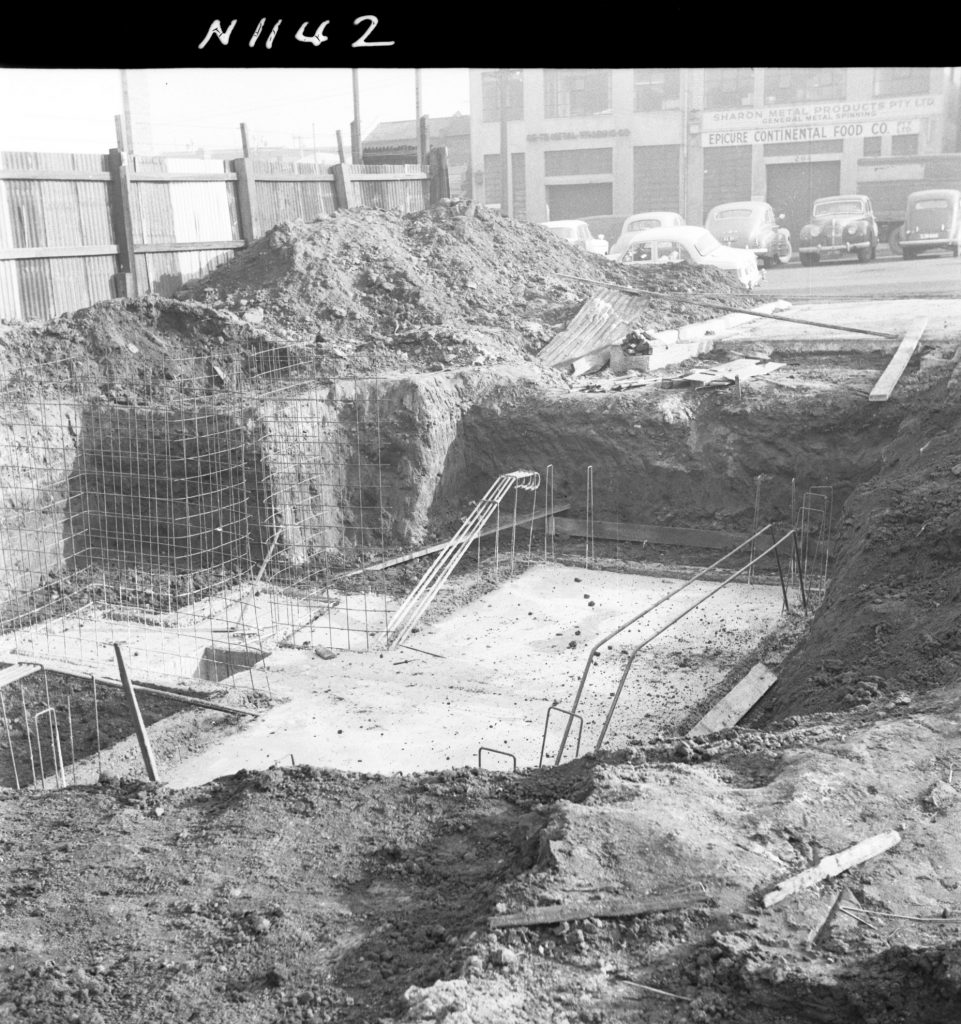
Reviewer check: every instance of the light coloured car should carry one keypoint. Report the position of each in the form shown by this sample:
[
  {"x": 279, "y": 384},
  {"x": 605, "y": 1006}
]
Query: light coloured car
[
  {"x": 751, "y": 225},
  {"x": 690, "y": 244},
  {"x": 643, "y": 222},
  {"x": 577, "y": 233}
]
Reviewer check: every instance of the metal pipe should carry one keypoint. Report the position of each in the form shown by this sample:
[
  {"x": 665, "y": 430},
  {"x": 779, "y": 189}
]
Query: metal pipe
[
  {"x": 142, "y": 738},
  {"x": 630, "y": 622},
  {"x": 679, "y": 297},
  {"x": 800, "y": 574},
  {"x": 663, "y": 629},
  {"x": 777, "y": 559}
]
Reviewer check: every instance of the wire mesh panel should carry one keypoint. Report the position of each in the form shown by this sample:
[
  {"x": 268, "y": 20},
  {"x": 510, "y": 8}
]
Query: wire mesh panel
[{"x": 200, "y": 528}]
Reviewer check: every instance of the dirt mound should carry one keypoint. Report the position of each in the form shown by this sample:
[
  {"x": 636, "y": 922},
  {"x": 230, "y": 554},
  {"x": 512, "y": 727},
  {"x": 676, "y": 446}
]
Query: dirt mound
[
  {"x": 309, "y": 895},
  {"x": 128, "y": 347},
  {"x": 890, "y": 625},
  {"x": 376, "y": 290}
]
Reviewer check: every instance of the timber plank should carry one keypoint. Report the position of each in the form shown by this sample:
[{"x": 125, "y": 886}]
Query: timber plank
[
  {"x": 832, "y": 865},
  {"x": 653, "y": 534},
  {"x": 888, "y": 380},
  {"x": 604, "y": 908},
  {"x": 737, "y": 703}
]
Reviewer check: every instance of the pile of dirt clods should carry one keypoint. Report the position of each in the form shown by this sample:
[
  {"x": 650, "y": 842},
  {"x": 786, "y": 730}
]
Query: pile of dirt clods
[{"x": 449, "y": 286}]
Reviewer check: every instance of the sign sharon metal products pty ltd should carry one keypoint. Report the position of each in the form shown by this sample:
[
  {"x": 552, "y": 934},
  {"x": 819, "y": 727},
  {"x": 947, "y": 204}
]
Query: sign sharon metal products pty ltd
[{"x": 812, "y": 122}]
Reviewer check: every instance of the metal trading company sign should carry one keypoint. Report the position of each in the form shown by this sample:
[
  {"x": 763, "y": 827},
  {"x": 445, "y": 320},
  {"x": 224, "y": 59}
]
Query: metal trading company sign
[{"x": 811, "y": 122}]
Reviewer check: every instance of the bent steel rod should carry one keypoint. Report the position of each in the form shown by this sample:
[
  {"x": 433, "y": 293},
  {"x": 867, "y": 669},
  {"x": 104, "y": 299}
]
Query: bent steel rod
[
  {"x": 677, "y": 297},
  {"x": 677, "y": 618},
  {"x": 630, "y": 622}
]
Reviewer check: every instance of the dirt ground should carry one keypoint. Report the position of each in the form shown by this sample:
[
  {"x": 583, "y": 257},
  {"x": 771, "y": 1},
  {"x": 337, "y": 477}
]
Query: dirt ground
[{"x": 304, "y": 894}]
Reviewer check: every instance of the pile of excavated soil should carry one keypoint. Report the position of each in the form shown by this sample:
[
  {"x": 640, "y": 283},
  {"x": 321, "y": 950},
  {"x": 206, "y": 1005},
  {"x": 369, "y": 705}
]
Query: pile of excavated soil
[
  {"x": 376, "y": 290},
  {"x": 304, "y": 895},
  {"x": 362, "y": 292},
  {"x": 128, "y": 349}
]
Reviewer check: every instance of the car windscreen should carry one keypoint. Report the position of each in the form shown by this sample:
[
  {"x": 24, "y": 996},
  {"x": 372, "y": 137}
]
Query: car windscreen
[
  {"x": 706, "y": 243},
  {"x": 930, "y": 204},
  {"x": 644, "y": 224},
  {"x": 562, "y": 231},
  {"x": 737, "y": 214},
  {"x": 838, "y": 209}
]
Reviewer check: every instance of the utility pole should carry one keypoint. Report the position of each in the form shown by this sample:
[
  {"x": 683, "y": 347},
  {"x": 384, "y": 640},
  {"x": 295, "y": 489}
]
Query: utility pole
[
  {"x": 505, "y": 147},
  {"x": 417, "y": 116},
  {"x": 355, "y": 144}
]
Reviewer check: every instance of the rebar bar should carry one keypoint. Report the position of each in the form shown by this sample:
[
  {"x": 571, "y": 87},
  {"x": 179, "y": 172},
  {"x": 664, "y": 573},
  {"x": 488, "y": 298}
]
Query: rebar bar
[{"x": 664, "y": 628}]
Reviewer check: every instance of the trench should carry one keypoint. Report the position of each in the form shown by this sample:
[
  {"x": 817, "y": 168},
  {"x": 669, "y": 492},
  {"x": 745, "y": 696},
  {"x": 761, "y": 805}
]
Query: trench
[{"x": 253, "y": 507}]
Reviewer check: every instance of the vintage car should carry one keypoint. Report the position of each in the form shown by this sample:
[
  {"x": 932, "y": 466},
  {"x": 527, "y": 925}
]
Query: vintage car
[
  {"x": 840, "y": 226},
  {"x": 932, "y": 221},
  {"x": 751, "y": 225},
  {"x": 690, "y": 244},
  {"x": 578, "y": 234},
  {"x": 643, "y": 222}
]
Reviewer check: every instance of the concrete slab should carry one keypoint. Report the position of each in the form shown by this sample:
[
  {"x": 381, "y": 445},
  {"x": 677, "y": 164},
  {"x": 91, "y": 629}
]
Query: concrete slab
[{"x": 487, "y": 674}]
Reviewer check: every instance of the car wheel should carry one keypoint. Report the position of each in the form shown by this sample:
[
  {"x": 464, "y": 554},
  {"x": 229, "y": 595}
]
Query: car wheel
[
  {"x": 908, "y": 254},
  {"x": 874, "y": 251},
  {"x": 864, "y": 255},
  {"x": 809, "y": 259},
  {"x": 785, "y": 257},
  {"x": 894, "y": 241}
]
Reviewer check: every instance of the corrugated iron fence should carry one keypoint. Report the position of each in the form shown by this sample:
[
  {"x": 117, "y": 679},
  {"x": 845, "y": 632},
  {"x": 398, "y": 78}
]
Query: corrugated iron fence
[{"x": 78, "y": 228}]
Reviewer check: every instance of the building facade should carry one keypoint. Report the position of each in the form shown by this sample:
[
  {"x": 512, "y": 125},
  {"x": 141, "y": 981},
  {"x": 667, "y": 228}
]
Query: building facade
[{"x": 614, "y": 141}]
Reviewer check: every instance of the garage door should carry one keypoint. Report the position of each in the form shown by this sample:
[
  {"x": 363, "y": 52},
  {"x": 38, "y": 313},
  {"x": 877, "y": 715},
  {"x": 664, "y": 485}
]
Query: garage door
[
  {"x": 792, "y": 189},
  {"x": 727, "y": 175},
  {"x": 572, "y": 202}
]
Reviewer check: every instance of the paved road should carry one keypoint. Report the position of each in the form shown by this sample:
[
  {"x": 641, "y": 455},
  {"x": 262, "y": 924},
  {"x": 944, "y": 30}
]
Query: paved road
[{"x": 888, "y": 277}]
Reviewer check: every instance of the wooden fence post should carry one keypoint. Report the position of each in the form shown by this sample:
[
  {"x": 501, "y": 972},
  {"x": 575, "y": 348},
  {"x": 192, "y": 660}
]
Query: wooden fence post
[
  {"x": 250, "y": 231},
  {"x": 439, "y": 174},
  {"x": 343, "y": 187},
  {"x": 122, "y": 217}
]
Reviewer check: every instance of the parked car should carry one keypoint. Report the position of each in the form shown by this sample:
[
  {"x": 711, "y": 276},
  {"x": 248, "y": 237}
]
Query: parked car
[
  {"x": 751, "y": 225},
  {"x": 643, "y": 222},
  {"x": 932, "y": 221},
  {"x": 690, "y": 244},
  {"x": 577, "y": 233},
  {"x": 840, "y": 225}
]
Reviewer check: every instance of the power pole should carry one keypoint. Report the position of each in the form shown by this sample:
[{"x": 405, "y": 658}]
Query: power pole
[
  {"x": 356, "y": 145},
  {"x": 417, "y": 117},
  {"x": 506, "y": 204}
]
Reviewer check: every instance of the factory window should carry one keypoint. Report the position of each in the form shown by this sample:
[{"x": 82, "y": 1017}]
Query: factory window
[
  {"x": 901, "y": 81},
  {"x": 904, "y": 145},
  {"x": 578, "y": 161},
  {"x": 803, "y": 85},
  {"x": 728, "y": 87},
  {"x": 656, "y": 88},
  {"x": 491, "y": 95},
  {"x": 872, "y": 146},
  {"x": 570, "y": 92}
]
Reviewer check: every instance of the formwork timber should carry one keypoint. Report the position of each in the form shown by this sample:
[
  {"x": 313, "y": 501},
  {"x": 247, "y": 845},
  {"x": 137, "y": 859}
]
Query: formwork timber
[{"x": 670, "y": 535}]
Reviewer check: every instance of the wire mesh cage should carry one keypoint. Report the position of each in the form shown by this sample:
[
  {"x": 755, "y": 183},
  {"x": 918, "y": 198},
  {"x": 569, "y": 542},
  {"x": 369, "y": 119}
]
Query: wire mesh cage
[{"x": 200, "y": 525}]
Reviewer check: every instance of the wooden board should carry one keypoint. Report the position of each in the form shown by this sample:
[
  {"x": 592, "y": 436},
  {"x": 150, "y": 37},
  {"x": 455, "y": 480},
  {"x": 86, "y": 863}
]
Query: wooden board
[
  {"x": 652, "y": 534},
  {"x": 604, "y": 908},
  {"x": 827, "y": 867},
  {"x": 737, "y": 703},
  {"x": 888, "y": 380}
]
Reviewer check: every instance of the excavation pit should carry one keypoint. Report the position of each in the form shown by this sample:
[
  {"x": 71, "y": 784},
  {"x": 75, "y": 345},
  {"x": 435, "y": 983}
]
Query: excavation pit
[{"x": 487, "y": 674}]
